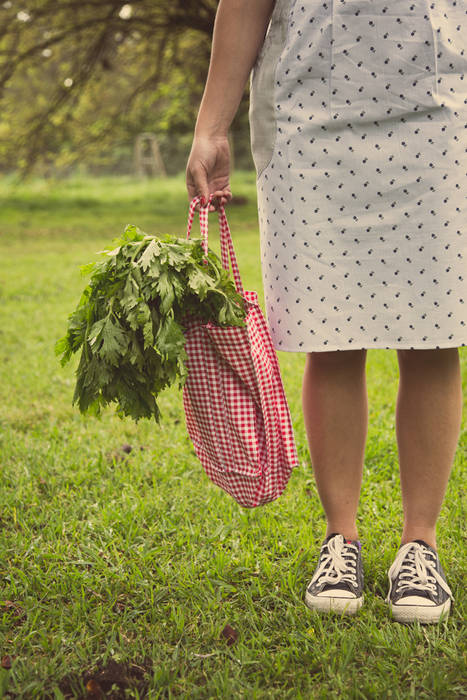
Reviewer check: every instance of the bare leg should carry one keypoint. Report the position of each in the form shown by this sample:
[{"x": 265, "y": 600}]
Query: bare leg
[
  {"x": 428, "y": 420},
  {"x": 335, "y": 409}
]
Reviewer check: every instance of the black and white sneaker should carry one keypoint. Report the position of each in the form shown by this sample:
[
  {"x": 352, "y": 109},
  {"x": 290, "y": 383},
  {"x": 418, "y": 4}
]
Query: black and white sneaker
[
  {"x": 337, "y": 583},
  {"x": 417, "y": 585}
]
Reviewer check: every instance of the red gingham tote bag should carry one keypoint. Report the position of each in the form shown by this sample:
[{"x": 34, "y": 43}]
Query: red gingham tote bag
[{"x": 235, "y": 406}]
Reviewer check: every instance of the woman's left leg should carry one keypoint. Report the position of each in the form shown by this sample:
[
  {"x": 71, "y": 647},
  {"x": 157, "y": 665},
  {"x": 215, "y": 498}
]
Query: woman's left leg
[{"x": 428, "y": 421}]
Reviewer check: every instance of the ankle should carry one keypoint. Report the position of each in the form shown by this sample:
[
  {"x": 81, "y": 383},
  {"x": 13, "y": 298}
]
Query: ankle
[
  {"x": 349, "y": 532},
  {"x": 427, "y": 534}
]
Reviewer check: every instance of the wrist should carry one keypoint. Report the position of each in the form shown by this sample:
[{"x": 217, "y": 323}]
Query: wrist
[
  {"x": 211, "y": 133},
  {"x": 211, "y": 123}
]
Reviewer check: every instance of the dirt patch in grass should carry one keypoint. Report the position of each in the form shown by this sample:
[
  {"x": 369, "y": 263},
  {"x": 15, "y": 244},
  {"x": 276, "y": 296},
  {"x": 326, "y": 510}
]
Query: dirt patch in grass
[{"x": 109, "y": 681}]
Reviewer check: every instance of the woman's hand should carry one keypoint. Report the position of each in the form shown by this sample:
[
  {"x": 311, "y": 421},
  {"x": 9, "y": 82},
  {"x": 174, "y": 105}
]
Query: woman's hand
[{"x": 208, "y": 170}]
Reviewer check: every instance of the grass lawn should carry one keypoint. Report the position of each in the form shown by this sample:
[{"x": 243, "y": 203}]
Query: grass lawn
[{"x": 120, "y": 569}]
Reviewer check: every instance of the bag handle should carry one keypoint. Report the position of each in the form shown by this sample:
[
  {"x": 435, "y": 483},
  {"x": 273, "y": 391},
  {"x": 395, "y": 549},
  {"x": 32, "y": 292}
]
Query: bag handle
[{"x": 227, "y": 248}]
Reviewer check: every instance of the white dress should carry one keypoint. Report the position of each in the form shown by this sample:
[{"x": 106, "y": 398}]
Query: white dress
[{"x": 358, "y": 122}]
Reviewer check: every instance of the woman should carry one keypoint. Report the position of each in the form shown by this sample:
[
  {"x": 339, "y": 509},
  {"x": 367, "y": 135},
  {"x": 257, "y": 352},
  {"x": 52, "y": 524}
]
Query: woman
[{"x": 358, "y": 120}]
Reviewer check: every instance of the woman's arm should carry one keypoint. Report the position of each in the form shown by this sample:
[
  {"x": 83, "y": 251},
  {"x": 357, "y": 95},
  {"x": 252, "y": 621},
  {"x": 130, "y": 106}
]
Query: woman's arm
[{"x": 239, "y": 32}]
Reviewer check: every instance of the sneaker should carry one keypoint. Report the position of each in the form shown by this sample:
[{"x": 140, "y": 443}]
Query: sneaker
[
  {"x": 337, "y": 583},
  {"x": 417, "y": 585}
]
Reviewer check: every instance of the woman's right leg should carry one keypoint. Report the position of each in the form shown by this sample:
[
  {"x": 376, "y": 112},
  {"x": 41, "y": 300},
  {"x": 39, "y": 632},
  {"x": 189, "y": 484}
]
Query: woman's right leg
[{"x": 335, "y": 410}]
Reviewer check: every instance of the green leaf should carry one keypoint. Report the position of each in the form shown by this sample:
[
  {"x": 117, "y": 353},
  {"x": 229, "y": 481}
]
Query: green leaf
[
  {"x": 108, "y": 340},
  {"x": 178, "y": 255},
  {"x": 130, "y": 295},
  {"x": 152, "y": 251},
  {"x": 148, "y": 334},
  {"x": 199, "y": 282},
  {"x": 170, "y": 339},
  {"x": 62, "y": 347},
  {"x": 131, "y": 233},
  {"x": 88, "y": 268},
  {"x": 166, "y": 291}
]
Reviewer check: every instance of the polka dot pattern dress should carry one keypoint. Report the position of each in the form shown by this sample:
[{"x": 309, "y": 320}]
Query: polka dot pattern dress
[{"x": 358, "y": 122}]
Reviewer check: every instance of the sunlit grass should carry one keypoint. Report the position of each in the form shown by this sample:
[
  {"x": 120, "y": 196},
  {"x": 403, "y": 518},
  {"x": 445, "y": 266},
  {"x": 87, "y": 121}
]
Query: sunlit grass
[{"x": 132, "y": 561}]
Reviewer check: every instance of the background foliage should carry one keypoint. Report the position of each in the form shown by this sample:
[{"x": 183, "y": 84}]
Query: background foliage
[{"x": 79, "y": 79}]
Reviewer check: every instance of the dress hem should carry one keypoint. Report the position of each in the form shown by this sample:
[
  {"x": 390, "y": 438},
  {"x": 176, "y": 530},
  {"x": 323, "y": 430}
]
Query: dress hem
[{"x": 326, "y": 348}]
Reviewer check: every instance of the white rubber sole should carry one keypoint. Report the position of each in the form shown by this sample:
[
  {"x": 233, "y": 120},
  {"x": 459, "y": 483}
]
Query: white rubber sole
[
  {"x": 423, "y": 613},
  {"x": 347, "y": 606}
]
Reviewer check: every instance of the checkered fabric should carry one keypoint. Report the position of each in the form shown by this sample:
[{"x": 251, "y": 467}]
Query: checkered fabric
[{"x": 236, "y": 410}]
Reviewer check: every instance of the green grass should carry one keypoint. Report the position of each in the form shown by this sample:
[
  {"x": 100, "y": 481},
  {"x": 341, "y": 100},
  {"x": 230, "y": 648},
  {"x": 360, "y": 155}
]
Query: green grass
[{"x": 126, "y": 568}]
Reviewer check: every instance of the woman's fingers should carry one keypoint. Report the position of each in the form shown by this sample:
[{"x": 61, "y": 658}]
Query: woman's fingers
[
  {"x": 201, "y": 184},
  {"x": 222, "y": 197},
  {"x": 219, "y": 199},
  {"x": 198, "y": 185}
]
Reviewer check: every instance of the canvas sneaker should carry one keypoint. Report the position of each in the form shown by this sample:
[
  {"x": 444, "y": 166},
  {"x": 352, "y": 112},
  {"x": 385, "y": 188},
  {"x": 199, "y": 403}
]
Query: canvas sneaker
[
  {"x": 417, "y": 585},
  {"x": 337, "y": 583}
]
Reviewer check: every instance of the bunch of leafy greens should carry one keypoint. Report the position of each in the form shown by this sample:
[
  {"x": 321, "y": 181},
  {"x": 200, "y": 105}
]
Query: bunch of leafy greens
[{"x": 132, "y": 316}]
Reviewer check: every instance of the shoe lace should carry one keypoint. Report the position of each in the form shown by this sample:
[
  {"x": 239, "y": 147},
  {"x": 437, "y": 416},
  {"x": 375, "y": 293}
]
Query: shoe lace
[
  {"x": 416, "y": 567},
  {"x": 333, "y": 566}
]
